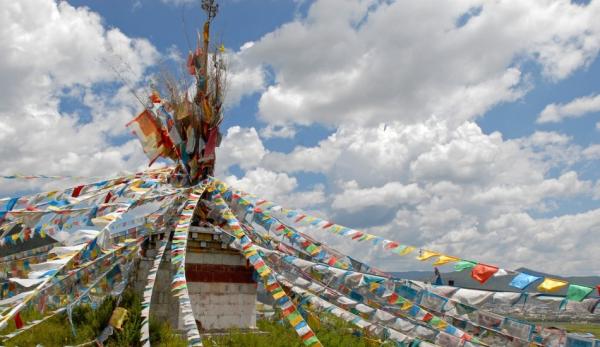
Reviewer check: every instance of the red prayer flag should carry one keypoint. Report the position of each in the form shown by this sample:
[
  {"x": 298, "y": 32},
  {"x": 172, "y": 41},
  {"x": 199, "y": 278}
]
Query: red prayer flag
[
  {"x": 108, "y": 197},
  {"x": 76, "y": 191},
  {"x": 332, "y": 261},
  {"x": 391, "y": 245},
  {"x": 482, "y": 272},
  {"x": 280, "y": 227},
  {"x": 327, "y": 225},
  {"x": 357, "y": 235},
  {"x": 308, "y": 335},
  {"x": 392, "y": 299},
  {"x": 428, "y": 316},
  {"x": 18, "y": 322},
  {"x": 190, "y": 64},
  {"x": 211, "y": 142},
  {"x": 598, "y": 289}
]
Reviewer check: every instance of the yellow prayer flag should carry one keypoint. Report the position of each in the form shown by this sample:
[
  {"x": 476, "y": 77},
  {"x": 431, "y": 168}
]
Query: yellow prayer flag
[
  {"x": 373, "y": 286},
  {"x": 552, "y": 285},
  {"x": 406, "y": 250},
  {"x": 278, "y": 295},
  {"x": 445, "y": 259},
  {"x": 406, "y": 305},
  {"x": 425, "y": 254},
  {"x": 295, "y": 319}
]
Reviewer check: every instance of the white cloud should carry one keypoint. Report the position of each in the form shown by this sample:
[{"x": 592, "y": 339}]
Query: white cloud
[
  {"x": 273, "y": 131},
  {"x": 240, "y": 146},
  {"x": 592, "y": 152},
  {"x": 442, "y": 187},
  {"x": 57, "y": 54},
  {"x": 277, "y": 187},
  {"x": 242, "y": 79},
  {"x": 368, "y": 62},
  {"x": 554, "y": 113},
  {"x": 354, "y": 198}
]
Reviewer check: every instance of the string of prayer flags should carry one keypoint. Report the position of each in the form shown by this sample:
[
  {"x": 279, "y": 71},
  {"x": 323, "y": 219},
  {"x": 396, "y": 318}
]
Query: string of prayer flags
[
  {"x": 552, "y": 285},
  {"x": 266, "y": 273},
  {"x": 481, "y": 272},
  {"x": 178, "y": 255},
  {"x": 147, "y": 294}
]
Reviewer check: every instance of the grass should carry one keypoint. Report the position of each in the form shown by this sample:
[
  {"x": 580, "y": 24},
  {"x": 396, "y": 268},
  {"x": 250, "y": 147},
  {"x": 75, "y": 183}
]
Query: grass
[
  {"x": 331, "y": 331},
  {"x": 89, "y": 323},
  {"x": 592, "y": 328}
]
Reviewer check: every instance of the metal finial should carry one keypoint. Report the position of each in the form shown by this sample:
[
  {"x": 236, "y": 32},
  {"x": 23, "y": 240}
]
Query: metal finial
[{"x": 211, "y": 8}]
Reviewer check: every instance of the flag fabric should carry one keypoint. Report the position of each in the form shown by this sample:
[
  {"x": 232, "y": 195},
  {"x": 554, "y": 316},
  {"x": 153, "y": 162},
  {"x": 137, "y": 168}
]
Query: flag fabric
[
  {"x": 578, "y": 293},
  {"x": 522, "y": 280},
  {"x": 552, "y": 285},
  {"x": 18, "y": 321},
  {"x": 425, "y": 254},
  {"x": 464, "y": 265},
  {"x": 445, "y": 259},
  {"x": 147, "y": 128},
  {"x": 481, "y": 272}
]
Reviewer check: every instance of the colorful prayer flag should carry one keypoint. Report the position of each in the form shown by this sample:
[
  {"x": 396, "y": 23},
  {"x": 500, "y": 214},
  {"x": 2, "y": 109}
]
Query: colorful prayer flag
[
  {"x": 578, "y": 293},
  {"x": 552, "y": 285},
  {"x": 481, "y": 272},
  {"x": 522, "y": 280}
]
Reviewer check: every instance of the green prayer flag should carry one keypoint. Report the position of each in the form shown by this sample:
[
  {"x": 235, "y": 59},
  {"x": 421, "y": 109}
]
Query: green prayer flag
[
  {"x": 578, "y": 293},
  {"x": 311, "y": 341},
  {"x": 464, "y": 265}
]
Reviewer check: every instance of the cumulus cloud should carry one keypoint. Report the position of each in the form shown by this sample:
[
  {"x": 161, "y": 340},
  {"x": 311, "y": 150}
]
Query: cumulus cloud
[
  {"x": 278, "y": 131},
  {"x": 579, "y": 107},
  {"x": 276, "y": 186},
  {"x": 371, "y": 61},
  {"x": 435, "y": 185},
  {"x": 59, "y": 53},
  {"x": 240, "y": 146}
]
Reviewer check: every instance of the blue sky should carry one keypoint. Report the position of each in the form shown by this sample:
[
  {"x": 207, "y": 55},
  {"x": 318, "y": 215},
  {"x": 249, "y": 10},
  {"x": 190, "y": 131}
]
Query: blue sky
[{"x": 440, "y": 125}]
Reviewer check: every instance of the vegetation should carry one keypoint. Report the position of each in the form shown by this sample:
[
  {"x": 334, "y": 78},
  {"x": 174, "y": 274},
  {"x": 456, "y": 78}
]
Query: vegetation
[
  {"x": 592, "y": 328},
  {"x": 331, "y": 331},
  {"x": 89, "y": 323}
]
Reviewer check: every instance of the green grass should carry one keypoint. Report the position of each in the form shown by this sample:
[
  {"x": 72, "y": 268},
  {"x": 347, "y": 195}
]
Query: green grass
[
  {"x": 332, "y": 332},
  {"x": 89, "y": 323},
  {"x": 592, "y": 328}
]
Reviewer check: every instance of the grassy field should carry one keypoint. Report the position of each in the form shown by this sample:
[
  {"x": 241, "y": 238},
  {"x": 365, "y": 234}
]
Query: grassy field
[{"x": 593, "y": 328}]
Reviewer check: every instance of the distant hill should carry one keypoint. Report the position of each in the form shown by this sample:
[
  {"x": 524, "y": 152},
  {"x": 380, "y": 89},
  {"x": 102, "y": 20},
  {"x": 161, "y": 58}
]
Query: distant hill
[{"x": 463, "y": 279}]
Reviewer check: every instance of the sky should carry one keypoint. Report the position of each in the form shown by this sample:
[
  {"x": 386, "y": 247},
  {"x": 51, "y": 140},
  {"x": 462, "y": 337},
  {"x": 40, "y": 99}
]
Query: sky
[{"x": 467, "y": 127}]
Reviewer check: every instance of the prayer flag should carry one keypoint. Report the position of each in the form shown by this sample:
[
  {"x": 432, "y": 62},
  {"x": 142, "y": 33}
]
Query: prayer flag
[
  {"x": 522, "y": 280},
  {"x": 425, "y": 254},
  {"x": 552, "y": 285},
  {"x": 481, "y": 272},
  {"x": 445, "y": 259},
  {"x": 403, "y": 250},
  {"x": 18, "y": 322},
  {"x": 464, "y": 265},
  {"x": 578, "y": 293}
]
